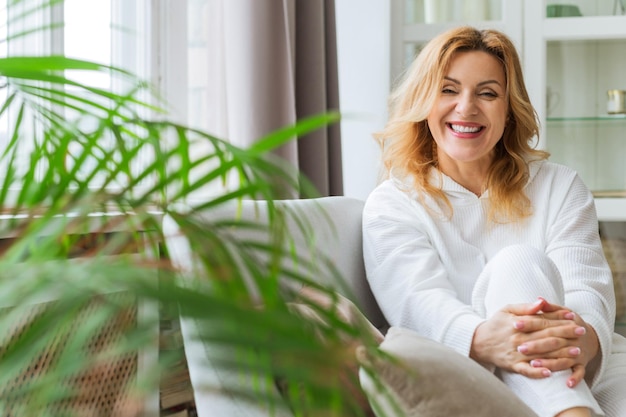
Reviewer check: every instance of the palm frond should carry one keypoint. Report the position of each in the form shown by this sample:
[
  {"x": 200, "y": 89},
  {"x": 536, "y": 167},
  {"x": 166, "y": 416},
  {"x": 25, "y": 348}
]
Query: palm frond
[{"x": 84, "y": 246}]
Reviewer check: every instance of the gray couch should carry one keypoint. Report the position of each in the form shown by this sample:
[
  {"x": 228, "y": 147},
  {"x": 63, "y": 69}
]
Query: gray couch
[{"x": 462, "y": 388}]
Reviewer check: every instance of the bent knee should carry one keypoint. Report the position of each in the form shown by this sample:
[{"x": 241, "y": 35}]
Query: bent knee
[{"x": 527, "y": 264}]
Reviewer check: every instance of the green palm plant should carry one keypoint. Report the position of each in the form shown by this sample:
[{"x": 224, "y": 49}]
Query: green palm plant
[{"x": 86, "y": 179}]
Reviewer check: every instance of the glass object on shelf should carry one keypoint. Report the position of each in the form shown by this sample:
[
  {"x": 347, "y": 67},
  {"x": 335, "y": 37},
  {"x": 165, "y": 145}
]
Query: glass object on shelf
[
  {"x": 445, "y": 11},
  {"x": 616, "y": 102},
  {"x": 562, "y": 10},
  {"x": 572, "y": 8},
  {"x": 613, "y": 235}
]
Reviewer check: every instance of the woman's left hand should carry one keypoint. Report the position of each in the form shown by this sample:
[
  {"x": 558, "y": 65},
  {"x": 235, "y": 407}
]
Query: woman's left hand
[{"x": 574, "y": 353}]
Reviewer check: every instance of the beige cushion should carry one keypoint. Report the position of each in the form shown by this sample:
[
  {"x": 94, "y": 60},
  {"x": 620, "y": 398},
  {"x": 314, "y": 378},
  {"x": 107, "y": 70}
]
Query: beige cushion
[
  {"x": 343, "y": 307},
  {"x": 429, "y": 379},
  {"x": 345, "y": 310}
]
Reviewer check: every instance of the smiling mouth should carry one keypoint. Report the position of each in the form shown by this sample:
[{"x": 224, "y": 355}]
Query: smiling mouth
[{"x": 465, "y": 129}]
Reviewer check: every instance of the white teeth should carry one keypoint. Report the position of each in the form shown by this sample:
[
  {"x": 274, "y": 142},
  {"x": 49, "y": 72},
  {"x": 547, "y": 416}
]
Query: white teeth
[{"x": 465, "y": 129}]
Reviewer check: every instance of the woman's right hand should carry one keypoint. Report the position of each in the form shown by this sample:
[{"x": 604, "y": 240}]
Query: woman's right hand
[{"x": 497, "y": 341}]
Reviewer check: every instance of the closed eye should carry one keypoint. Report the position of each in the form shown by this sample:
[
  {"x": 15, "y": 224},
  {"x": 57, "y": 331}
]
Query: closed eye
[{"x": 489, "y": 94}]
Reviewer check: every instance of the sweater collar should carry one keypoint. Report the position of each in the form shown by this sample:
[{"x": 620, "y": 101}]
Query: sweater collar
[
  {"x": 452, "y": 188},
  {"x": 456, "y": 190}
]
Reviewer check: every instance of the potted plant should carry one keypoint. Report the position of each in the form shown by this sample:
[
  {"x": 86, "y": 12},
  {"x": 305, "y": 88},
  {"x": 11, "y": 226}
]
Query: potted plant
[{"x": 86, "y": 182}]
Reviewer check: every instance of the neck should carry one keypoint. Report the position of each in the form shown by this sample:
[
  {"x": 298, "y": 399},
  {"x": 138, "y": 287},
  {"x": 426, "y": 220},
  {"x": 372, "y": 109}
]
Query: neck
[
  {"x": 473, "y": 181},
  {"x": 472, "y": 176}
]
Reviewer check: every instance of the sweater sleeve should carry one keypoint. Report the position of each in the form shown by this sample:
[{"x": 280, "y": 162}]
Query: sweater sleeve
[
  {"x": 573, "y": 243},
  {"x": 406, "y": 275}
]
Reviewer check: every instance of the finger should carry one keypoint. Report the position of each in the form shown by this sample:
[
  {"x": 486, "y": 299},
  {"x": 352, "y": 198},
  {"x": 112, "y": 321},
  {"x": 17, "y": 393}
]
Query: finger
[
  {"x": 578, "y": 373},
  {"x": 529, "y": 324},
  {"x": 524, "y": 368},
  {"x": 551, "y": 347},
  {"x": 548, "y": 307},
  {"x": 527, "y": 309},
  {"x": 554, "y": 365},
  {"x": 557, "y": 311},
  {"x": 559, "y": 315}
]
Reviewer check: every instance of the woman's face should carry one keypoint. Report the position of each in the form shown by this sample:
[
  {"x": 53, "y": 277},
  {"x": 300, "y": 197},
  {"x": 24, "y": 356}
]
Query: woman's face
[{"x": 469, "y": 114}]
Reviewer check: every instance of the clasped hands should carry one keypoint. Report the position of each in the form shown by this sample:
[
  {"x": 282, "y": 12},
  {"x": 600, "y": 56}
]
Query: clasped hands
[{"x": 535, "y": 340}]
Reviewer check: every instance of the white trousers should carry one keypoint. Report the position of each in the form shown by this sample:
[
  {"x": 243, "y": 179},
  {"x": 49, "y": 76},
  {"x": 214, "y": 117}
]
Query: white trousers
[{"x": 521, "y": 274}]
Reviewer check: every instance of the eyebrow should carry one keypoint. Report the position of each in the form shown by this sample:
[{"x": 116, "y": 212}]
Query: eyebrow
[{"x": 480, "y": 84}]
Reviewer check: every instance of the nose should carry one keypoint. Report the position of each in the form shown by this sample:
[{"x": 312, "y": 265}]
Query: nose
[{"x": 466, "y": 104}]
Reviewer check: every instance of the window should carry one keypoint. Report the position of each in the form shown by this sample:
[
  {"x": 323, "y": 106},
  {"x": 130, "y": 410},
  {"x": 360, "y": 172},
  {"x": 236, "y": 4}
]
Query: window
[
  {"x": 170, "y": 44},
  {"x": 87, "y": 35},
  {"x": 110, "y": 32}
]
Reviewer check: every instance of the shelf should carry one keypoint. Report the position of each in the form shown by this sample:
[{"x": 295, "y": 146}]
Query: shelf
[
  {"x": 584, "y": 28},
  {"x": 423, "y": 32},
  {"x": 611, "y": 209},
  {"x": 609, "y": 193},
  {"x": 600, "y": 118}
]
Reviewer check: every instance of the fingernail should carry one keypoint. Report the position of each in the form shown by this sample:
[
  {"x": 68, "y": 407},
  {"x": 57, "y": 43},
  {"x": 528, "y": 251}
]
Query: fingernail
[
  {"x": 535, "y": 363},
  {"x": 522, "y": 349},
  {"x": 570, "y": 383},
  {"x": 519, "y": 325},
  {"x": 570, "y": 316},
  {"x": 546, "y": 372},
  {"x": 539, "y": 301},
  {"x": 574, "y": 351},
  {"x": 580, "y": 331}
]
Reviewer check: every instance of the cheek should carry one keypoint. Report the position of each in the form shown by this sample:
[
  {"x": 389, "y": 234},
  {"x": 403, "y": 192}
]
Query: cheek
[
  {"x": 505, "y": 122},
  {"x": 435, "y": 128},
  {"x": 435, "y": 117},
  {"x": 501, "y": 126}
]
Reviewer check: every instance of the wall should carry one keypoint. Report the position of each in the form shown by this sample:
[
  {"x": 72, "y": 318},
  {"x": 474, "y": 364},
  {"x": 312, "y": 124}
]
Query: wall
[{"x": 363, "y": 38}]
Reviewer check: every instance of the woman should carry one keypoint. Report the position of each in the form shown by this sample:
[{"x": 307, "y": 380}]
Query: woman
[{"x": 476, "y": 241}]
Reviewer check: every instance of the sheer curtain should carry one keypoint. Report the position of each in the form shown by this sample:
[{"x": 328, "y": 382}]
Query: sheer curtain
[{"x": 271, "y": 63}]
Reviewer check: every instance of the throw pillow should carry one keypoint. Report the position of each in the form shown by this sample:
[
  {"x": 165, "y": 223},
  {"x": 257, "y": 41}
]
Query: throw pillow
[
  {"x": 346, "y": 311},
  {"x": 425, "y": 378}
]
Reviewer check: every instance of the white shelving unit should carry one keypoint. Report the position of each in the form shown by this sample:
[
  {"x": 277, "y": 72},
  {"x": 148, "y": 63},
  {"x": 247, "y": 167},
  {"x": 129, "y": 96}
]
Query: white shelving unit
[{"x": 570, "y": 63}]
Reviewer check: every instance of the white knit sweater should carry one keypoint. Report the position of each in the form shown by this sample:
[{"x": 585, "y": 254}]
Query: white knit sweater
[{"x": 422, "y": 267}]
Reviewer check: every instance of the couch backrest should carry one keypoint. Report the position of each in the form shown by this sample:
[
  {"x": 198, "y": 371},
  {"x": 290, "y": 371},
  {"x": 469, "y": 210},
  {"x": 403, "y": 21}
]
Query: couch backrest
[{"x": 335, "y": 226}]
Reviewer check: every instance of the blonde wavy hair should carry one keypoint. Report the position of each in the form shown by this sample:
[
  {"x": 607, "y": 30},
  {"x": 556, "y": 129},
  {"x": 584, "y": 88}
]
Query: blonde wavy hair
[{"x": 408, "y": 147}]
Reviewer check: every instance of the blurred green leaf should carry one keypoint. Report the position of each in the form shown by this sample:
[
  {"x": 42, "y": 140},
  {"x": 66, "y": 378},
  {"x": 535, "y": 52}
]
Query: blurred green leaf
[{"x": 86, "y": 181}]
